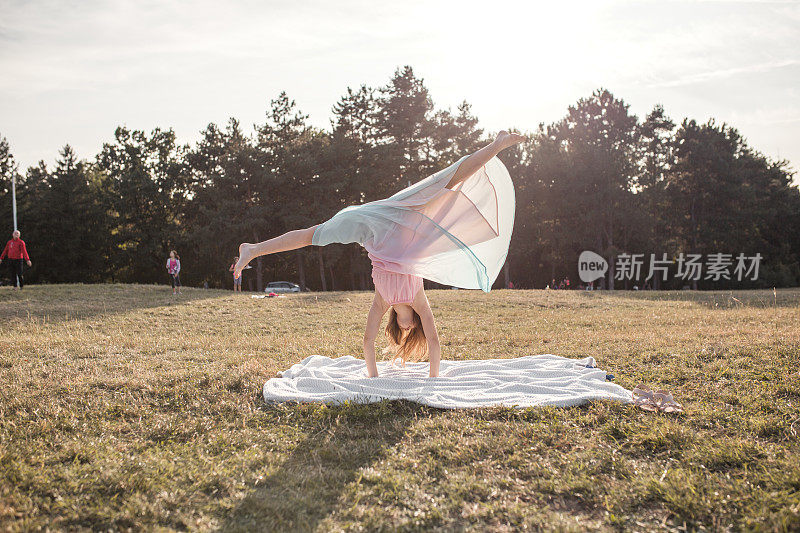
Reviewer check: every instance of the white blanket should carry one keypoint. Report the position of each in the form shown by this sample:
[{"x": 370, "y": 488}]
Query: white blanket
[{"x": 523, "y": 382}]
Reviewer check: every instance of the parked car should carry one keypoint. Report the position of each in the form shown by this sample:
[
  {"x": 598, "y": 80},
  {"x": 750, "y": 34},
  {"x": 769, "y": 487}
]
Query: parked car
[{"x": 282, "y": 286}]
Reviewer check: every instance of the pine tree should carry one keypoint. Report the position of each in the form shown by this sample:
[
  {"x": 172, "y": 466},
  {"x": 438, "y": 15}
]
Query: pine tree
[
  {"x": 70, "y": 230},
  {"x": 8, "y": 170},
  {"x": 146, "y": 176},
  {"x": 224, "y": 187},
  {"x": 403, "y": 123}
]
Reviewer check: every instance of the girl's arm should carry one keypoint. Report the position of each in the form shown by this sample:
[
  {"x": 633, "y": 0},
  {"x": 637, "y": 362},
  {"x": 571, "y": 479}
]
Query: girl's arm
[
  {"x": 423, "y": 309},
  {"x": 376, "y": 312},
  {"x": 177, "y": 266}
]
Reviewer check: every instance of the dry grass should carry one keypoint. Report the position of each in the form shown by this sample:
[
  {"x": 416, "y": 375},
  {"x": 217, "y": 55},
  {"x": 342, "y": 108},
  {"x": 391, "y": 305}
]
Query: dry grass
[{"x": 122, "y": 407}]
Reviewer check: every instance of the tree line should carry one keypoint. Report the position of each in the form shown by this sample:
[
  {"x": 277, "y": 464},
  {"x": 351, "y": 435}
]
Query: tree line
[{"x": 598, "y": 179}]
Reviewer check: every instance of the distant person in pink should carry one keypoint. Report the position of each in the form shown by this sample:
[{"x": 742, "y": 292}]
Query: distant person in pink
[{"x": 174, "y": 271}]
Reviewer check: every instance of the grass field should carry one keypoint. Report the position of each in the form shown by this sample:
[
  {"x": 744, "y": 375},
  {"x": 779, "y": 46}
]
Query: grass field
[{"x": 123, "y": 407}]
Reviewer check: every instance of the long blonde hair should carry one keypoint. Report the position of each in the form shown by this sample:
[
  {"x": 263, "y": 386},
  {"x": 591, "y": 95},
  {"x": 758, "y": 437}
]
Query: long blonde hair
[{"x": 411, "y": 346}]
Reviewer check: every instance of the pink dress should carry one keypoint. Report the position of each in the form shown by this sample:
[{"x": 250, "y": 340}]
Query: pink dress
[{"x": 394, "y": 287}]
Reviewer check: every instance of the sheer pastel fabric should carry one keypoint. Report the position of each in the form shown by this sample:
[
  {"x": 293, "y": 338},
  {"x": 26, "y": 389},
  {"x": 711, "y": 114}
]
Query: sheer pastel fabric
[{"x": 457, "y": 236}]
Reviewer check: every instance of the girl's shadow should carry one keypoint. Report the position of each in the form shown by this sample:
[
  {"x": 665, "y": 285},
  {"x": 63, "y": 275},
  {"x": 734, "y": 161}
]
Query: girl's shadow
[{"x": 311, "y": 482}]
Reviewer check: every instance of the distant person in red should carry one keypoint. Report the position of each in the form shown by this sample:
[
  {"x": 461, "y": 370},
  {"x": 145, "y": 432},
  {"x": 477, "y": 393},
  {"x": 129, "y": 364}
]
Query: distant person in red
[{"x": 17, "y": 253}]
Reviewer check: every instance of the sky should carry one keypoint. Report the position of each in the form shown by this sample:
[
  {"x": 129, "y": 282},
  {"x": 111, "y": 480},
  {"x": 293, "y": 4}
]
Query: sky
[{"x": 72, "y": 71}]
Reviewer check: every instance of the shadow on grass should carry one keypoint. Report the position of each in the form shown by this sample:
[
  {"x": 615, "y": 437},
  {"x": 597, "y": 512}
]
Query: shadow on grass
[
  {"x": 311, "y": 483},
  {"x": 711, "y": 299},
  {"x": 56, "y": 303}
]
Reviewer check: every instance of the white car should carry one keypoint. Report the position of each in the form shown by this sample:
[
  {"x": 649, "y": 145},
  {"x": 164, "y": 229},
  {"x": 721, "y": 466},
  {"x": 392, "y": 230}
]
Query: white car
[{"x": 282, "y": 286}]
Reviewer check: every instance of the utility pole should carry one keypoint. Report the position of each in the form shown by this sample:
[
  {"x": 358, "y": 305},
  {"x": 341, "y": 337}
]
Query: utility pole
[{"x": 14, "y": 198}]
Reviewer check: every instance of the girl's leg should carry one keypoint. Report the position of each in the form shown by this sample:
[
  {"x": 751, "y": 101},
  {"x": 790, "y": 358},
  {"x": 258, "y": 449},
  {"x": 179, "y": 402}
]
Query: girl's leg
[
  {"x": 291, "y": 240},
  {"x": 475, "y": 161}
]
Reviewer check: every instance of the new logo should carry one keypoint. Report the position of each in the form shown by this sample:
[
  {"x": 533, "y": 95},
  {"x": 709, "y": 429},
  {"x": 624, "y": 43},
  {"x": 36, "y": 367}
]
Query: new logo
[{"x": 591, "y": 266}]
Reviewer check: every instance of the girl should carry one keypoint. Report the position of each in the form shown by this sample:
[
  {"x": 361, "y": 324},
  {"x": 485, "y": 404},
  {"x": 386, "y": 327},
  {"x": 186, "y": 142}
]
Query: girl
[
  {"x": 174, "y": 269},
  {"x": 452, "y": 227}
]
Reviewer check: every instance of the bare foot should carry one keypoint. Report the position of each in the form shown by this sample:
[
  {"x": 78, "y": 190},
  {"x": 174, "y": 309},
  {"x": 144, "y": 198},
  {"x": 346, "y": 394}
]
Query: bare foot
[
  {"x": 245, "y": 256},
  {"x": 505, "y": 139}
]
